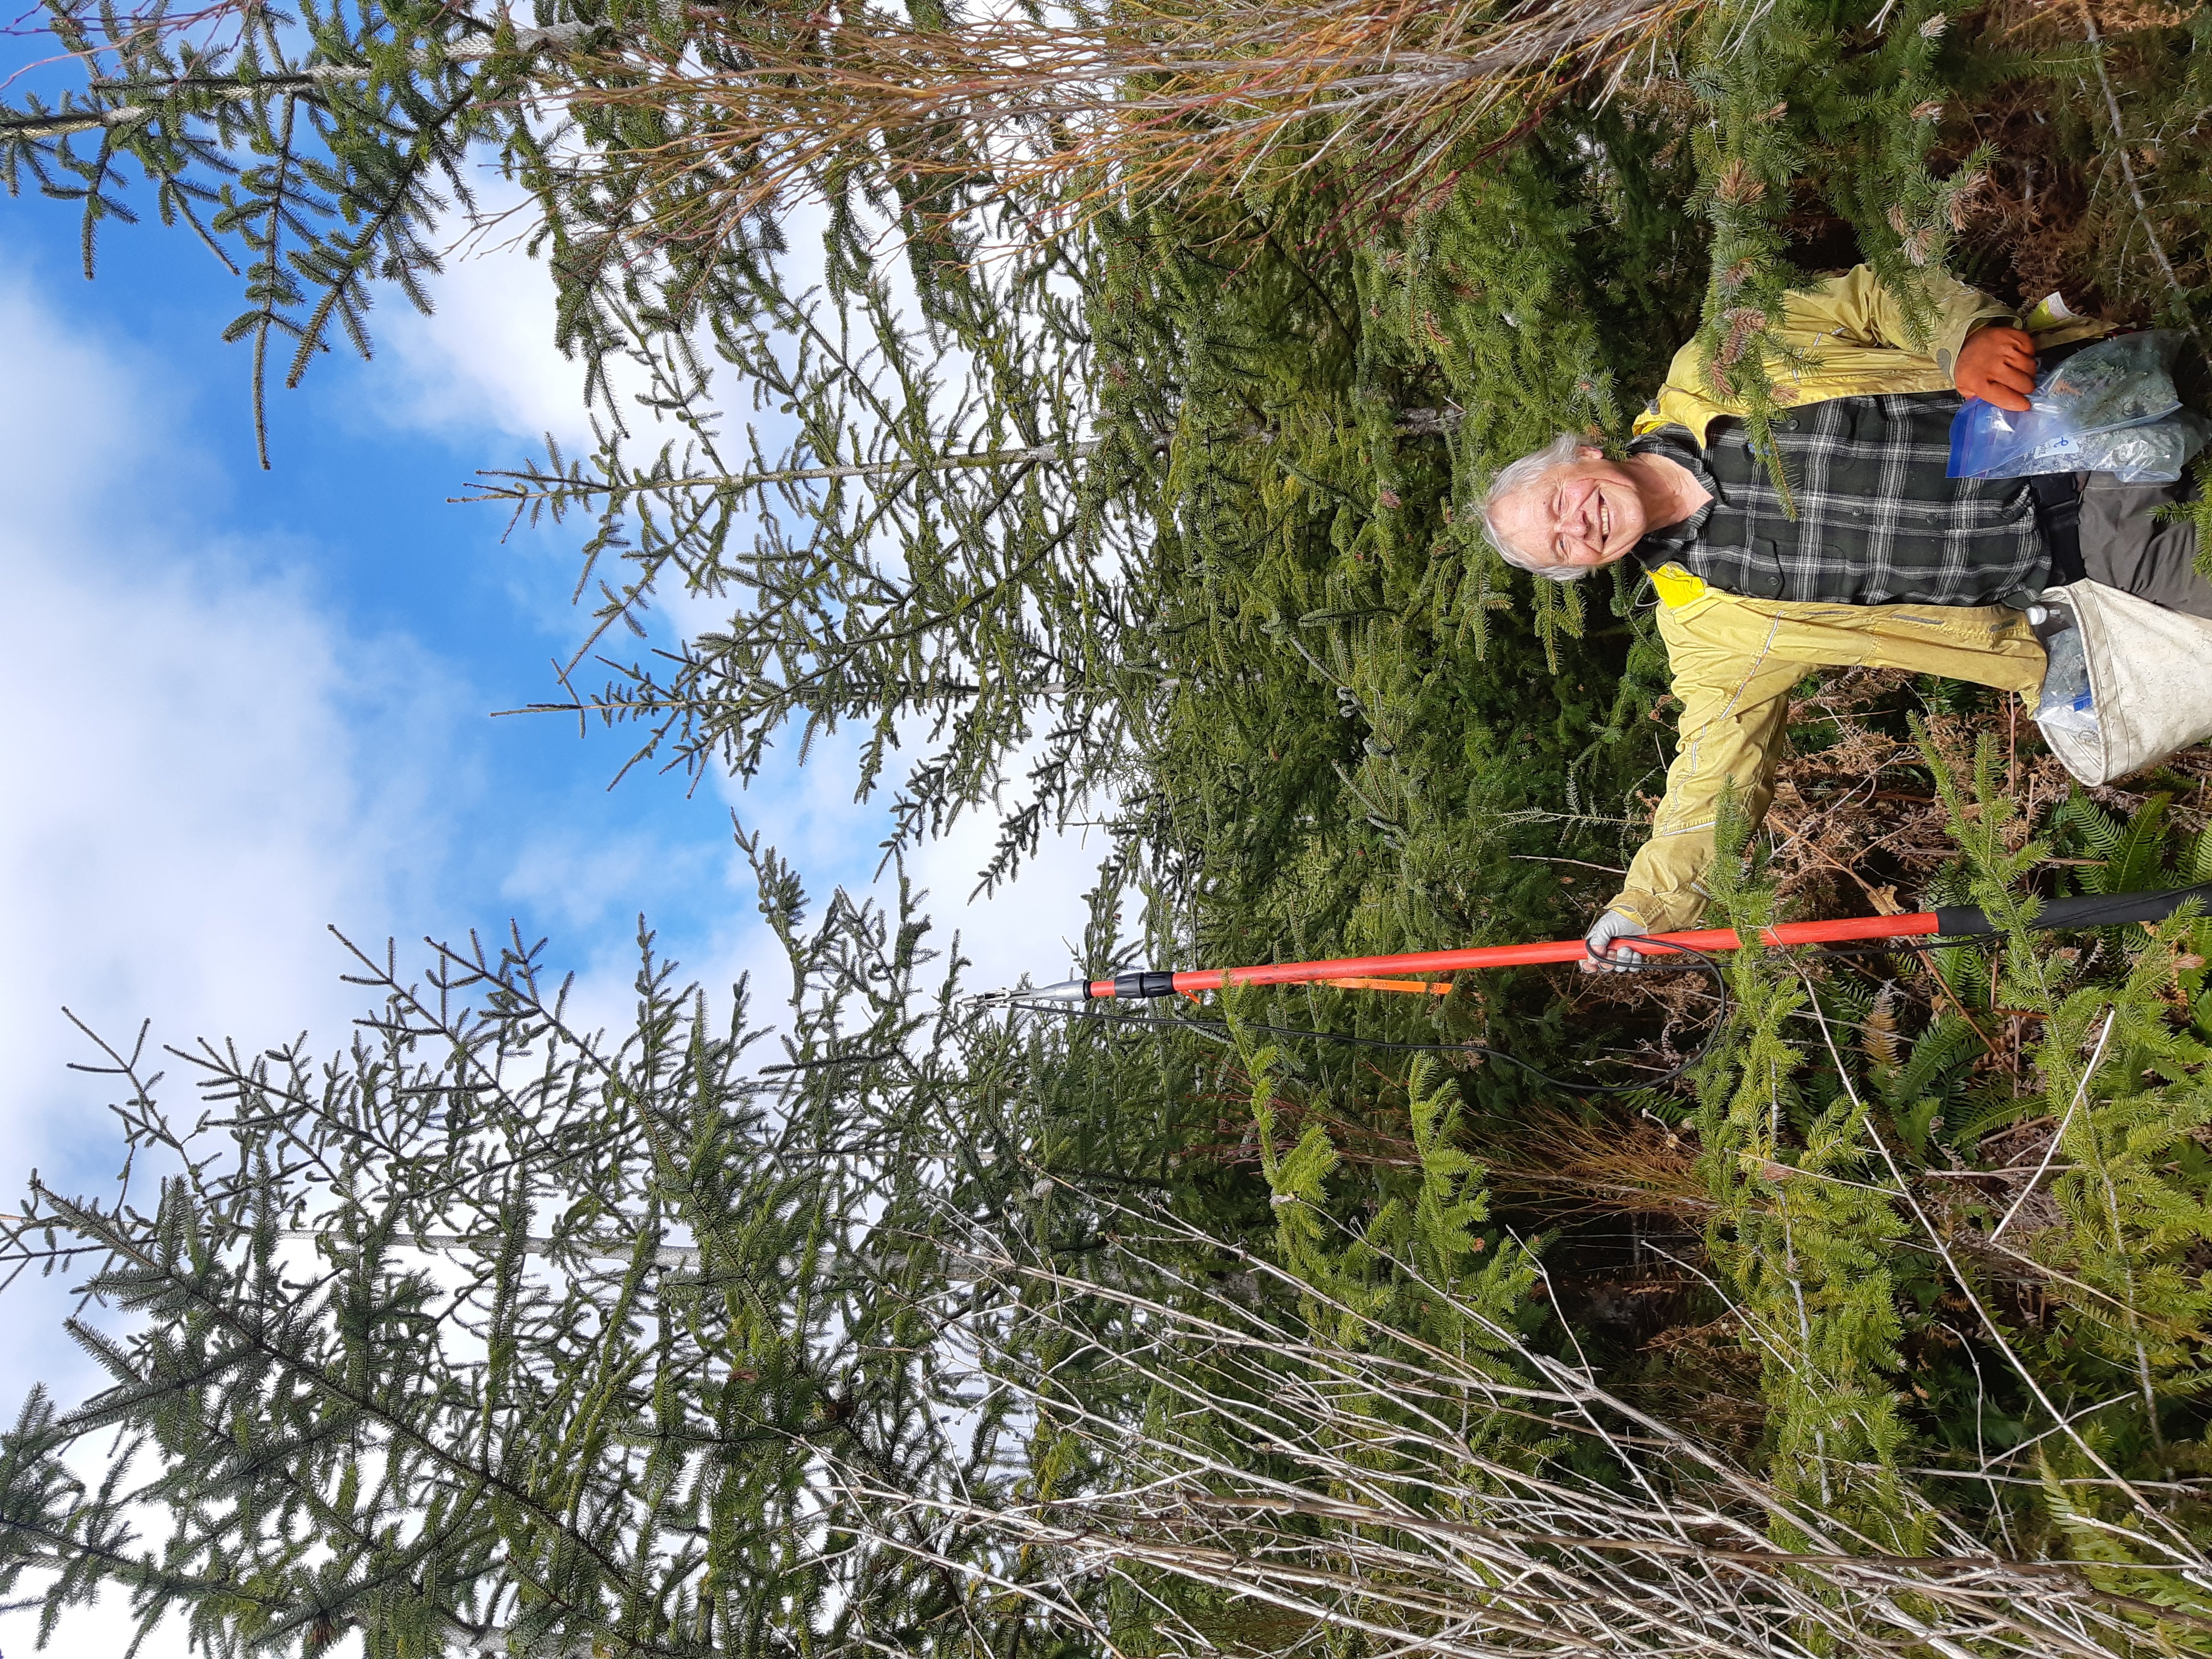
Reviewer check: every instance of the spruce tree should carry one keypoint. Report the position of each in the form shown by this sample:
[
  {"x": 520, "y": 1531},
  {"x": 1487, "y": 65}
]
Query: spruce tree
[
  {"x": 881, "y": 566},
  {"x": 492, "y": 1334}
]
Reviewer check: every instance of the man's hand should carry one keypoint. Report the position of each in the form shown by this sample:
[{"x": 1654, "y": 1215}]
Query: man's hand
[
  {"x": 1997, "y": 365},
  {"x": 1601, "y": 954}
]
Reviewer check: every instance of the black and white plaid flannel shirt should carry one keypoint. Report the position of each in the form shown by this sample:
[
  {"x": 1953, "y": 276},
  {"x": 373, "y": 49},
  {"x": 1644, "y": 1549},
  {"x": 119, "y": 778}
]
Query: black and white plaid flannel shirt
[{"x": 1877, "y": 521}]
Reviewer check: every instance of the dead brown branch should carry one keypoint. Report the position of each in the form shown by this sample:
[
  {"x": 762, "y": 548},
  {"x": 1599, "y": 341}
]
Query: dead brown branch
[{"x": 769, "y": 105}]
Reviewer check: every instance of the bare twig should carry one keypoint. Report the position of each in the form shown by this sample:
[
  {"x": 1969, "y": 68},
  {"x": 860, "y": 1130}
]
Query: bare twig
[
  {"x": 2059, "y": 1134},
  {"x": 2128, "y": 171}
]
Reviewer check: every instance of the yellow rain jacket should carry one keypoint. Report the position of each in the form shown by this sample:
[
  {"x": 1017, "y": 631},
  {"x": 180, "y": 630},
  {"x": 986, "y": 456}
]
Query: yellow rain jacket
[{"x": 1736, "y": 659}]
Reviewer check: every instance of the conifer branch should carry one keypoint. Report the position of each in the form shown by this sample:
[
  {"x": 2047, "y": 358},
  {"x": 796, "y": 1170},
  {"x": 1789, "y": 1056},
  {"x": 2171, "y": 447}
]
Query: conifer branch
[
  {"x": 2128, "y": 173},
  {"x": 2184, "y": 1549},
  {"x": 1061, "y": 113},
  {"x": 2058, "y": 1135},
  {"x": 537, "y": 483},
  {"x": 203, "y": 91},
  {"x": 529, "y": 484}
]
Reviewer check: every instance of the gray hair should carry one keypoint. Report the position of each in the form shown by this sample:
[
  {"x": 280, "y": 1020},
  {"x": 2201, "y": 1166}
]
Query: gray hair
[{"x": 1562, "y": 450}]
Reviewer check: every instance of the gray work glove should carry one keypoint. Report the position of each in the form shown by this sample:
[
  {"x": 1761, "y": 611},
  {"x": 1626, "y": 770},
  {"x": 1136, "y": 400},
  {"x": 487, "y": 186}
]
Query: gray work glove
[{"x": 1602, "y": 955}]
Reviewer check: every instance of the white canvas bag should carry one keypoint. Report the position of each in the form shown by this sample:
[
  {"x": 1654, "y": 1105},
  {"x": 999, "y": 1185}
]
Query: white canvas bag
[{"x": 2150, "y": 682}]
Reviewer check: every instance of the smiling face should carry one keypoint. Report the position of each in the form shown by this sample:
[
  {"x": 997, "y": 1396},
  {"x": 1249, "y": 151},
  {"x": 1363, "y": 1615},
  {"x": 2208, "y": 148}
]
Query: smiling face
[{"x": 1583, "y": 515}]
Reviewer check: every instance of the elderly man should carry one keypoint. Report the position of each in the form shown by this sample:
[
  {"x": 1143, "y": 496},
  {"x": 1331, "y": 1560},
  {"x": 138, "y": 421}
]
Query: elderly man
[{"x": 1886, "y": 561}]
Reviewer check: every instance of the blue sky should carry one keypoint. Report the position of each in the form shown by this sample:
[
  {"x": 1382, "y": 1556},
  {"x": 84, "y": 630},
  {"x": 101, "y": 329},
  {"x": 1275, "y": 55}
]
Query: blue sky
[{"x": 252, "y": 705}]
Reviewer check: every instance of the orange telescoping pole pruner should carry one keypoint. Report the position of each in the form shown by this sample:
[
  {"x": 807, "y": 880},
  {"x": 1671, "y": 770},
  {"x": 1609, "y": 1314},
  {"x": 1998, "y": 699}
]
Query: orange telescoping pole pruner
[{"x": 1947, "y": 921}]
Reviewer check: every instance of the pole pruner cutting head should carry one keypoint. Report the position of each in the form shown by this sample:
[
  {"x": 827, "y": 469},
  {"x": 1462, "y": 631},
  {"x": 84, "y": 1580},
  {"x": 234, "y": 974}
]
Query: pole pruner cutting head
[{"x": 1068, "y": 990}]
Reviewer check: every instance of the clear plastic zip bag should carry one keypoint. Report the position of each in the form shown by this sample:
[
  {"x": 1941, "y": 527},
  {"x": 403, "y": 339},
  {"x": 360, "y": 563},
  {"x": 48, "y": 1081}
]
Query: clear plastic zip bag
[{"x": 2108, "y": 408}]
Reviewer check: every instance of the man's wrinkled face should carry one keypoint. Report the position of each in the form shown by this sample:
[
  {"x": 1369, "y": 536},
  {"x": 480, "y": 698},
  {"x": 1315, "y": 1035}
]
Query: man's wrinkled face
[{"x": 1585, "y": 514}]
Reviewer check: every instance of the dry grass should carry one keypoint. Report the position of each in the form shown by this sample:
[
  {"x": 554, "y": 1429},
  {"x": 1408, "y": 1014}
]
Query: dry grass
[{"x": 1567, "y": 1167}]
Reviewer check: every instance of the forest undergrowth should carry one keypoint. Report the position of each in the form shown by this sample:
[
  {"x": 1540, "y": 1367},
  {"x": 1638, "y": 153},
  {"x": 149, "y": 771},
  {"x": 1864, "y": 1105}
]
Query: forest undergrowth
[
  {"x": 1920, "y": 1243},
  {"x": 1804, "y": 1303}
]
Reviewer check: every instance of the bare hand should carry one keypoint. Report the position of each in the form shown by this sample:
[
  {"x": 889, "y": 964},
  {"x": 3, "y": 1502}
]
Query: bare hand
[{"x": 1997, "y": 365}]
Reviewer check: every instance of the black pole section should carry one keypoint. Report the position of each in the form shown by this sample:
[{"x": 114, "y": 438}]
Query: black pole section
[
  {"x": 2090, "y": 910},
  {"x": 1147, "y": 982}
]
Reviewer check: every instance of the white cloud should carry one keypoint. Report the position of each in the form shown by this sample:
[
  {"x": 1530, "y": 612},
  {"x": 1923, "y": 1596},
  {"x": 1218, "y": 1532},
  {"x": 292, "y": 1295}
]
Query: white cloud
[
  {"x": 481, "y": 372},
  {"x": 191, "y": 805},
  {"x": 1032, "y": 925},
  {"x": 484, "y": 359},
  {"x": 194, "y": 787}
]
